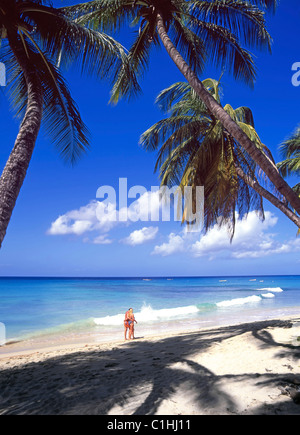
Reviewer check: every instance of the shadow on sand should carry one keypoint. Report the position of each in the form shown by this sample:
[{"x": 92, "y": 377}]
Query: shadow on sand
[{"x": 134, "y": 378}]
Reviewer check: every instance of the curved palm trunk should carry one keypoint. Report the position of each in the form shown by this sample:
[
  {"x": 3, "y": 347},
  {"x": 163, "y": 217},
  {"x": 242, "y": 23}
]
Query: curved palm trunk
[
  {"x": 217, "y": 110},
  {"x": 16, "y": 167},
  {"x": 269, "y": 196}
]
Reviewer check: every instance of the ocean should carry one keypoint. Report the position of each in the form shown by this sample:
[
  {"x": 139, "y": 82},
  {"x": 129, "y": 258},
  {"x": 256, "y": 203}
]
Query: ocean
[{"x": 71, "y": 307}]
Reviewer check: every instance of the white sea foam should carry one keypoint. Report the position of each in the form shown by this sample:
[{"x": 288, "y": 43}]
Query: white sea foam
[
  {"x": 271, "y": 289},
  {"x": 268, "y": 295},
  {"x": 116, "y": 320},
  {"x": 148, "y": 314},
  {"x": 239, "y": 301}
]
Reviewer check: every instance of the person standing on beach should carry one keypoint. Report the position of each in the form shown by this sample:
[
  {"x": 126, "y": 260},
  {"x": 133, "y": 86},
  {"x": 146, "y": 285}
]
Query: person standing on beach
[
  {"x": 129, "y": 324},
  {"x": 126, "y": 324}
]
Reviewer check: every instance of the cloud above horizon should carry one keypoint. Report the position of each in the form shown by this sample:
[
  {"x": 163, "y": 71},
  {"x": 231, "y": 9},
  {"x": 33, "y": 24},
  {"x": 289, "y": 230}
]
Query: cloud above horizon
[
  {"x": 138, "y": 237},
  {"x": 103, "y": 216},
  {"x": 76, "y": 222},
  {"x": 252, "y": 239}
]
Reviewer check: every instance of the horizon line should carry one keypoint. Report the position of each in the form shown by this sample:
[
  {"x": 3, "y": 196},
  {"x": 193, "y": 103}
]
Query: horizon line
[{"x": 141, "y": 277}]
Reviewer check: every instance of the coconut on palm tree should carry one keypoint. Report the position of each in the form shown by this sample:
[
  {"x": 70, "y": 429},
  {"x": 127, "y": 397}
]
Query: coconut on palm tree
[
  {"x": 36, "y": 37},
  {"x": 192, "y": 33},
  {"x": 194, "y": 149}
]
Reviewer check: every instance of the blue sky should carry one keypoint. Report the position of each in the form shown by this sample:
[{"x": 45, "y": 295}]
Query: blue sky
[{"x": 46, "y": 237}]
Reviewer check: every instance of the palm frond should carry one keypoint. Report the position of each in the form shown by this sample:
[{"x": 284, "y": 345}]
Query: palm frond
[
  {"x": 290, "y": 151},
  {"x": 241, "y": 18},
  {"x": 104, "y": 15},
  {"x": 180, "y": 98},
  {"x": 202, "y": 31},
  {"x": 61, "y": 118},
  {"x": 224, "y": 49},
  {"x": 290, "y": 166},
  {"x": 189, "y": 43},
  {"x": 194, "y": 150},
  {"x": 126, "y": 83},
  {"x": 62, "y": 37},
  {"x": 269, "y": 5},
  {"x": 297, "y": 189}
]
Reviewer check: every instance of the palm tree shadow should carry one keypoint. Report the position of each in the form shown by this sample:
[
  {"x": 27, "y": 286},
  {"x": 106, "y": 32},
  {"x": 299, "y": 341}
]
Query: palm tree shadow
[
  {"x": 287, "y": 349},
  {"x": 201, "y": 386},
  {"x": 132, "y": 379}
]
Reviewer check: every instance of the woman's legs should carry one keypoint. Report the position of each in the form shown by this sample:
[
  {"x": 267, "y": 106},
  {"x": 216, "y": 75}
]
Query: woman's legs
[{"x": 131, "y": 331}]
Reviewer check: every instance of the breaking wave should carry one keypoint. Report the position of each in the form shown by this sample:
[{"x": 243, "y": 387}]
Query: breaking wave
[
  {"x": 147, "y": 314},
  {"x": 239, "y": 301}
]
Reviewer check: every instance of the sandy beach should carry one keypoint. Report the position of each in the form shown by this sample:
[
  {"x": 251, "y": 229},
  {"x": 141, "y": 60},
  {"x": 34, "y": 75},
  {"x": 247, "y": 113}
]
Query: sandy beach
[{"x": 250, "y": 368}]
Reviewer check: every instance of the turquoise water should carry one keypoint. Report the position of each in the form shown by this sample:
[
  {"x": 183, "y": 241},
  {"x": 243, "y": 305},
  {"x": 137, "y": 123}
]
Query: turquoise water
[{"x": 32, "y": 306}]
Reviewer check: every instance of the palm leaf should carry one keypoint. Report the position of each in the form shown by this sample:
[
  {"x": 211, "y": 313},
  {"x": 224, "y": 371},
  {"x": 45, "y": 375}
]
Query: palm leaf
[
  {"x": 202, "y": 31},
  {"x": 290, "y": 151},
  {"x": 223, "y": 48},
  {"x": 126, "y": 84},
  {"x": 241, "y": 18},
  {"x": 194, "y": 149},
  {"x": 61, "y": 37},
  {"x": 61, "y": 118}
]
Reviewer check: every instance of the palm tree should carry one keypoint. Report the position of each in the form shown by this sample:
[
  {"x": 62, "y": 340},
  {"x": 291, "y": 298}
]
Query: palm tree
[
  {"x": 290, "y": 150},
  {"x": 193, "y": 32},
  {"x": 36, "y": 38},
  {"x": 196, "y": 150}
]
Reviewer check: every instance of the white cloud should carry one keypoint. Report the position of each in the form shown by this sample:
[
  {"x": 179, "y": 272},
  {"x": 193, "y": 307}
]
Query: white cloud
[
  {"x": 175, "y": 244},
  {"x": 141, "y": 236},
  {"x": 84, "y": 220},
  {"x": 102, "y": 216},
  {"x": 271, "y": 249},
  {"x": 146, "y": 208},
  {"x": 63, "y": 225},
  {"x": 99, "y": 240},
  {"x": 250, "y": 236},
  {"x": 251, "y": 240}
]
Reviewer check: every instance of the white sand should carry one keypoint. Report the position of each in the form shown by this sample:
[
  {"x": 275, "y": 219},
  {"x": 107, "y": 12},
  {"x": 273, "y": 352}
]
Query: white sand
[{"x": 251, "y": 368}]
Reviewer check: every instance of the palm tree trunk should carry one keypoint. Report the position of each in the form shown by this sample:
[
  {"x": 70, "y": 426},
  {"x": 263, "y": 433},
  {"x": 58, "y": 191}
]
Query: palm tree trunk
[
  {"x": 217, "y": 110},
  {"x": 269, "y": 196},
  {"x": 16, "y": 167}
]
